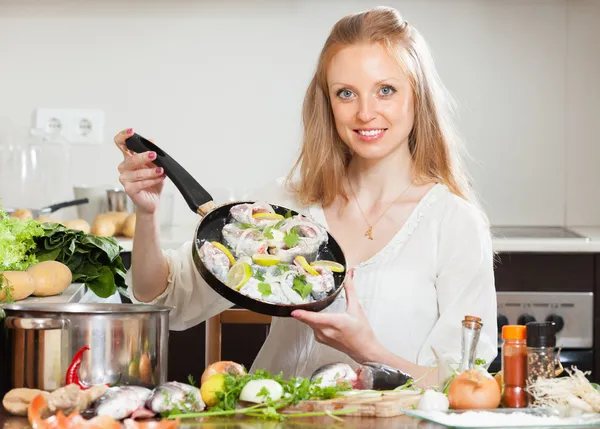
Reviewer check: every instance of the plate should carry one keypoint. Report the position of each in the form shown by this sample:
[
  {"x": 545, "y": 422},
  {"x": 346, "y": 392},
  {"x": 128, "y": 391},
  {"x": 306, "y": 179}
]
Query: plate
[{"x": 505, "y": 418}]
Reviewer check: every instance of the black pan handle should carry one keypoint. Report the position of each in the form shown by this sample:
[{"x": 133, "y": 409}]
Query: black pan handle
[
  {"x": 54, "y": 207},
  {"x": 194, "y": 194}
]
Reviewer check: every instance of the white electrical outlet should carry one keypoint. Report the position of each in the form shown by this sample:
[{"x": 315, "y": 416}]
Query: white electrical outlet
[{"x": 76, "y": 126}]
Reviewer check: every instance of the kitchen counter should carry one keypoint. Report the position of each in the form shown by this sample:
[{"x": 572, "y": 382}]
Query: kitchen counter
[
  {"x": 400, "y": 422},
  {"x": 73, "y": 293},
  {"x": 174, "y": 236}
]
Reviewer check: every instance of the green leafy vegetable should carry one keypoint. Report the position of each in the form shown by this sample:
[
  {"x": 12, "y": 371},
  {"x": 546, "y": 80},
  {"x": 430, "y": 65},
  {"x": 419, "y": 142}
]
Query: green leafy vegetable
[
  {"x": 295, "y": 390},
  {"x": 280, "y": 269},
  {"x": 288, "y": 214},
  {"x": 17, "y": 242},
  {"x": 291, "y": 238},
  {"x": 245, "y": 225},
  {"x": 302, "y": 286},
  {"x": 191, "y": 380},
  {"x": 93, "y": 260},
  {"x": 264, "y": 289},
  {"x": 279, "y": 224},
  {"x": 6, "y": 291},
  {"x": 268, "y": 233},
  {"x": 259, "y": 275}
]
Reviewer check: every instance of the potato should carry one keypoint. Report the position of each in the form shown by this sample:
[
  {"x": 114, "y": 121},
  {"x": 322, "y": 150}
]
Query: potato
[
  {"x": 128, "y": 227},
  {"x": 44, "y": 218},
  {"x": 21, "y": 282},
  {"x": 23, "y": 214},
  {"x": 50, "y": 278},
  {"x": 108, "y": 224},
  {"x": 17, "y": 400},
  {"x": 78, "y": 224},
  {"x": 103, "y": 227}
]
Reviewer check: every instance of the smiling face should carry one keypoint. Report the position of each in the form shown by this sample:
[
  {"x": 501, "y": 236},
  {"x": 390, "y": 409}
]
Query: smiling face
[{"x": 372, "y": 101}]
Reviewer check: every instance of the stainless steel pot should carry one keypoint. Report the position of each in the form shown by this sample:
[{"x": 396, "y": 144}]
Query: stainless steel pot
[{"x": 128, "y": 344}]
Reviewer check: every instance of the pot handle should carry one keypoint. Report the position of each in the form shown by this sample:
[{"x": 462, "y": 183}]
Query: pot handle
[{"x": 32, "y": 323}]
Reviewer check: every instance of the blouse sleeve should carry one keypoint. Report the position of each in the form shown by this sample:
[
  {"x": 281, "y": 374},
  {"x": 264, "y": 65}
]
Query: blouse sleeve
[
  {"x": 465, "y": 286},
  {"x": 192, "y": 299}
]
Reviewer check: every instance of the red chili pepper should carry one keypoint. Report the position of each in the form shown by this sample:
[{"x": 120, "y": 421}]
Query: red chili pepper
[{"x": 73, "y": 371}]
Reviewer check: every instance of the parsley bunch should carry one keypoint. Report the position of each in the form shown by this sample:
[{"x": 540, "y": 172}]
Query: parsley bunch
[{"x": 295, "y": 390}]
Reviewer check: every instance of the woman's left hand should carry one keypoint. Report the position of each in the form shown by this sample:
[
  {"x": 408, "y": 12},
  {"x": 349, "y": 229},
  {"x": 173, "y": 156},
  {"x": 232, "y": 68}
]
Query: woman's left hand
[{"x": 347, "y": 332}]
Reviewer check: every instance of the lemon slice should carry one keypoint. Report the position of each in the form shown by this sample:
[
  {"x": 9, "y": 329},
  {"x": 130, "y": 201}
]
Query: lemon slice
[
  {"x": 224, "y": 250},
  {"x": 265, "y": 259},
  {"x": 302, "y": 261},
  {"x": 267, "y": 216},
  {"x": 239, "y": 275},
  {"x": 333, "y": 266}
]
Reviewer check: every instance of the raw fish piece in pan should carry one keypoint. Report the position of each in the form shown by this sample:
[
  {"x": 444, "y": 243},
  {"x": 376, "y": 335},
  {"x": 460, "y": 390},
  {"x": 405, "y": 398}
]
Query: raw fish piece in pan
[
  {"x": 244, "y": 241},
  {"x": 215, "y": 260},
  {"x": 243, "y": 213},
  {"x": 287, "y": 284},
  {"x": 322, "y": 283},
  {"x": 251, "y": 289},
  {"x": 306, "y": 227},
  {"x": 306, "y": 247},
  {"x": 173, "y": 395}
]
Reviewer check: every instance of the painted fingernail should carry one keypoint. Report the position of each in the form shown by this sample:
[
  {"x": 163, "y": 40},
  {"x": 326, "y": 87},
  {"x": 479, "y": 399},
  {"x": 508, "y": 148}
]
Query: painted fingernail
[
  {"x": 159, "y": 170},
  {"x": 152, "y": 155},
  {"x": 129, "y": 130}
]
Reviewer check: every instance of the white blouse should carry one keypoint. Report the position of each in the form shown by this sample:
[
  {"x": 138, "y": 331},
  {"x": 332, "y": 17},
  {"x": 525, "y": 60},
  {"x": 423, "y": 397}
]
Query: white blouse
[{"x": 415, "y": 292}]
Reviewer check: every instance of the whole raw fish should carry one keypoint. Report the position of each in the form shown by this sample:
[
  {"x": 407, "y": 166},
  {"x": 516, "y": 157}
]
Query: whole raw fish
[
  {"x": 333, "y": 374},
  {"x": 120, "y": 402},
  {"x": 376, "y": 376},
  {"x": 175, "y": 396}
]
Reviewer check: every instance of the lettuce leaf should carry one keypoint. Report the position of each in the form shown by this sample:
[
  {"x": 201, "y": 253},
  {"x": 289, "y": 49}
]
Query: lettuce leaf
[{"x": 17, "y": 242}]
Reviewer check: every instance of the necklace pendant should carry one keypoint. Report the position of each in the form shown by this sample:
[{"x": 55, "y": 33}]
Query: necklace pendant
[{"x": 369, "y": 233}]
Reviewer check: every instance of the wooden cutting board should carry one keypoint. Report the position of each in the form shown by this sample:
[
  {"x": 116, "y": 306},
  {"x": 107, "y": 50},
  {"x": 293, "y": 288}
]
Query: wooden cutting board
[{"x": 371, "y": 404}]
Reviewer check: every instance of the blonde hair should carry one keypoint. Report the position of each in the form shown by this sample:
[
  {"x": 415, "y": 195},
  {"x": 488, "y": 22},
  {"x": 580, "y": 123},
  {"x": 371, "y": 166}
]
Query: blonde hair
[{"x": 433, "y": 144}]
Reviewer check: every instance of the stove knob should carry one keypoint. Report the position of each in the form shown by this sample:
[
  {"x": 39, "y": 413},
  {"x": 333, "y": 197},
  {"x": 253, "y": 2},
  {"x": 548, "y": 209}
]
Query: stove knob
[
  {"x": 502, "y": 320},
  {"x": 558, "y": 321},
  {"x": 524, "y": 319}
]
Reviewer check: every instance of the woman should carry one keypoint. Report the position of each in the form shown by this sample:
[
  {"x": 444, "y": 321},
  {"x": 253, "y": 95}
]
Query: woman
[{"x": 379, "y": 168}]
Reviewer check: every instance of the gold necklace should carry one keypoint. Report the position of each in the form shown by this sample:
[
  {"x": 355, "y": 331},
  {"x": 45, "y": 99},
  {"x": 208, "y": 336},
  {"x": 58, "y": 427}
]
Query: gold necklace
[{"x": 369, "y": 232}]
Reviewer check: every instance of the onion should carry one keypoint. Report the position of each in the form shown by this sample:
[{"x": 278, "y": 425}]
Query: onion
[
  {"x": 251, "y": 392},
  {"x": 474, "y": 389},
  {"x": 222, "y": 367}
]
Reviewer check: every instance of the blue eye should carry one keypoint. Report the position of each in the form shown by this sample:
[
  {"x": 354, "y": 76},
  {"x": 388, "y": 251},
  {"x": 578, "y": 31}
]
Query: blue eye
[
  {"x": 345, "y": 93},
  {"x": 387, "y": 90}
]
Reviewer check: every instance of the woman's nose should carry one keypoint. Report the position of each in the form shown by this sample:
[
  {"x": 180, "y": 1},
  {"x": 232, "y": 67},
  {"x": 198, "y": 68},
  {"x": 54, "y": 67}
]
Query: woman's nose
[{"x": 367, "y": 110}]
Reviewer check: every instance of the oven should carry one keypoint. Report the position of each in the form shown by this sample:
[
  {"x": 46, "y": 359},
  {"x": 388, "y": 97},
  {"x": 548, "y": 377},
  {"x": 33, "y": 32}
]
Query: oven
[{"x": 572, "y": 313}]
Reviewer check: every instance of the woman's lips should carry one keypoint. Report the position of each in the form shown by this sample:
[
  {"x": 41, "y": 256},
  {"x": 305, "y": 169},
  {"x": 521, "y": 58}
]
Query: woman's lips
[{"x": 370, "y": 135}]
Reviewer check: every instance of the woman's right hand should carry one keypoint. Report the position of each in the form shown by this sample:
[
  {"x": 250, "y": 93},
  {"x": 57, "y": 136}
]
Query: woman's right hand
[{"x": 142, "y": 180}]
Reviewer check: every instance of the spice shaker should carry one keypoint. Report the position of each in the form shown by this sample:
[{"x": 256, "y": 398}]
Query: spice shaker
[
  {"x": 514, "y": 366},
  {"x": 471, "y": 328},
  {"x": 541, "y": 340}
]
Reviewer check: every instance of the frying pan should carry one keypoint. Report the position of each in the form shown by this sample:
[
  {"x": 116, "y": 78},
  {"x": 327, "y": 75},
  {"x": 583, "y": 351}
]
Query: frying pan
[
  {"x": 51, "y": 209},
  {"x": 214, "y": 219}
]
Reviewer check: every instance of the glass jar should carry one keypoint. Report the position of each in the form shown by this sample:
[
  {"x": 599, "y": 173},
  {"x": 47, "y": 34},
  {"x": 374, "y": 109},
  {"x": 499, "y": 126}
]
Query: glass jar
[
  {"x": 514, "y": 366},
  {"x": 541, "y": 340}
]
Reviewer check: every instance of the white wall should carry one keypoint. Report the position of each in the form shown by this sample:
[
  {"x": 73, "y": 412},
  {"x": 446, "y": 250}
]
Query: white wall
[{"x": 219, "y": 84}]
